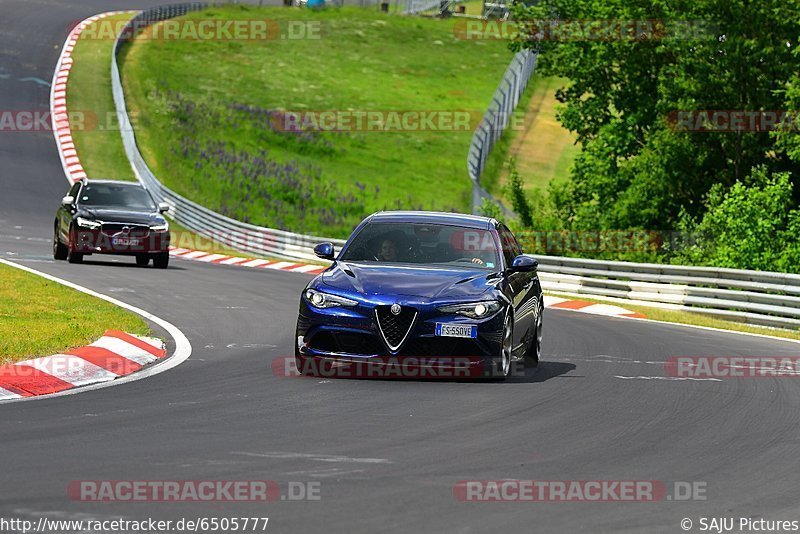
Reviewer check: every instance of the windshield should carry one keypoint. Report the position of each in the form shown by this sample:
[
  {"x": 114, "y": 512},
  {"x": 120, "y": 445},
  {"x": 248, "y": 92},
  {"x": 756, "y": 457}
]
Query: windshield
[
  {"x": 129, "y": 196},
  {"x": 425, "y": 244}
]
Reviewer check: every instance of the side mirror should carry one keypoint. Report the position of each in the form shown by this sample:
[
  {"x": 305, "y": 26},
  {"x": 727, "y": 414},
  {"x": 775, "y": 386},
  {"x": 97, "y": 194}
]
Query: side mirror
[
  {"x": 324, "y": 251},
  {"x": 524, "y": 264},
  {"x": 163, "y": 207},
  {"x": 68, "y": 201}
]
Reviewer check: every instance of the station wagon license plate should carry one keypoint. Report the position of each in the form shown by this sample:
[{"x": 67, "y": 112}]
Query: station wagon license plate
[
  {"x": 457, "y": 330},
  {"x": 124, "y": 242}
]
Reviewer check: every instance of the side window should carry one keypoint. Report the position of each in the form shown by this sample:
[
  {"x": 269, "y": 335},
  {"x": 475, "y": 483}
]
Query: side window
[
  {"x": 73, "y": 192},
  {"x": 511, "y": 248}
]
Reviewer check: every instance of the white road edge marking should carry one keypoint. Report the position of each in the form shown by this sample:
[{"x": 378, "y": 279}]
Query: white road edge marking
[
  {"x": 313, "y": 457},
  {"x": 678, "y": 378},
  {"x": 183, "y": 348}
]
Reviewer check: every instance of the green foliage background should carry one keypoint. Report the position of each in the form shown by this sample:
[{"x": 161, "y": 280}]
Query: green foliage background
[{"x": 735, "y": 193}]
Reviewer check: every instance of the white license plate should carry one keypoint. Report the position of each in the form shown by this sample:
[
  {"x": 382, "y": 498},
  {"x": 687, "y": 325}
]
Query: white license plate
[
  {"x": 456, "y": 330},
  {"x": 124, "y": 241}
]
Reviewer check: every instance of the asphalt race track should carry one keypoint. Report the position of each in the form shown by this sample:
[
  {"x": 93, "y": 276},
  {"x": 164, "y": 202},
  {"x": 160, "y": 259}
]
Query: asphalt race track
[{"x": 385, "y": 453}]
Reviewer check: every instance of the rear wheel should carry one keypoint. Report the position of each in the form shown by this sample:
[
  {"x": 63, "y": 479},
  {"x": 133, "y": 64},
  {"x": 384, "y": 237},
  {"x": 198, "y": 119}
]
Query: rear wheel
[
  {"x": 60, "y": 251},
  {"x": 535, "y": 350},
  {"x": 142, "y": 260},
  {"x": 161, "y": 260}
]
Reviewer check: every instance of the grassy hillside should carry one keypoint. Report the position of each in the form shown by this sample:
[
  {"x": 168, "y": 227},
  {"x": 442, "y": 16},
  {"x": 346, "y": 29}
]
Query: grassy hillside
[{"x": 207, "y": 114}]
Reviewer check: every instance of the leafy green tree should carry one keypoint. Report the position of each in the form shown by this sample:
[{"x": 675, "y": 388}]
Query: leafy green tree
[
  {"x": 749, "y": 226},
  {"x": 516, "y": 193},
  {"x": 636, "y": 169}
]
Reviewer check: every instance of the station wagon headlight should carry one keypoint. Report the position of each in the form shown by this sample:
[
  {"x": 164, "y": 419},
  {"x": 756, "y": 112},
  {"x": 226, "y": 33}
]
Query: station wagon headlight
[
  {"x": 474, "y": 310},
  {"x": 160, "y": 227},
  {"x": 318, "y": 299},
  {"x": 88, "y": 223}
]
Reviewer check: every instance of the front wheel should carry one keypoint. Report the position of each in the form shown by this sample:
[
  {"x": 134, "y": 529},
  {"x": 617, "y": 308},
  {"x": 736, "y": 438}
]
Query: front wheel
[
  {"x": 502, "y": 364},
  {"x": 60, "y": 251},
  {"x": 161, "y": 261},
  {"x": 72, "y": 255}
]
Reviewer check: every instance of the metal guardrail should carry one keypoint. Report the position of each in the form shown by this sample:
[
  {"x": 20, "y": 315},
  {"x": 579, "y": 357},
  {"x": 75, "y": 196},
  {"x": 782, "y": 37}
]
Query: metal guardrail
[
  {"x": 203, "y": 221},
  {"x": 756, "y": 297},
  {"x": 404, "y": 7},
  {"x": 496, "y": 118}
]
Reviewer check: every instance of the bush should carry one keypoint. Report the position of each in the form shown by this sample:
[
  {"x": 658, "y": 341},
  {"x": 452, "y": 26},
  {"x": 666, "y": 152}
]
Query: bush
[{"x": 749, "y": 226}]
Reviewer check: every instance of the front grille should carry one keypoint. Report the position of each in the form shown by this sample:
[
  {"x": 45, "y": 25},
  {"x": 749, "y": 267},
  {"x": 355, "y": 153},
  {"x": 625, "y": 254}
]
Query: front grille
[
  {"x": 134, "y": 230},
  {"x": 395, "y": 328},
  {"x": 351, "y": 343},
  {"x": 346, "y": 342}
]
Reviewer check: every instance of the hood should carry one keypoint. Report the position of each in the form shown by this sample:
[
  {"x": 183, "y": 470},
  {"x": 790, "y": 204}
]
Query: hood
[
  {"x": 124, "y": 215},
  {"x": 418, "y": 281}
]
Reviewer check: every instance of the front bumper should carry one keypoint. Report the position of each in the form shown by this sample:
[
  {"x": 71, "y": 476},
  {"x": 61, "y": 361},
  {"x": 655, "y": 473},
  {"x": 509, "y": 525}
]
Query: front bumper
[
  {"x": 89, "y": 241},
  {"x": 411, "y": 367},
  {"x": 348, "y": 342}
]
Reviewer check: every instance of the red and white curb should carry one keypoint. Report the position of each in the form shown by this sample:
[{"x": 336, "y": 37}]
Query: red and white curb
[
  {"x": 560, "y": 303},
  {"x": 114, "y": 355},
  {"x": 58, "y": 102},
  {"x": 116, "y": 358},
  {"x": 222, "y": 259}
]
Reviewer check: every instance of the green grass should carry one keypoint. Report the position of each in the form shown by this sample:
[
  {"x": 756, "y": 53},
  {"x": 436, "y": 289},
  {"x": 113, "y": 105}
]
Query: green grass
[
  {"x": 184, "y": 93},
  {"x": 39, "y": 317},
  {"x": 543, "y": 149},
  {"x": 99, "y": 144},
  {"x": 692, "y": 318}
]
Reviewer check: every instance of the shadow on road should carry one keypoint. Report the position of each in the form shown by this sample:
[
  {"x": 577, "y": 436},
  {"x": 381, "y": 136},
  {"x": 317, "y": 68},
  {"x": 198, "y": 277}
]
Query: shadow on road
[
  {"x": 87, "y": 261},
  {"x": 543, "y": 372}
]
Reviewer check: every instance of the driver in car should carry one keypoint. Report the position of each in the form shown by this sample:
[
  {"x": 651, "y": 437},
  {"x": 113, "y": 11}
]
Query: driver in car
[{"x": 388, "y": 251}]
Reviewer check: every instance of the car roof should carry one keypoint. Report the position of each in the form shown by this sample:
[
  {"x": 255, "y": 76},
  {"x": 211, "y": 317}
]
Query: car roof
[
  {"x": 115, "y": 182},
  {"x": 439, "y": 217}
]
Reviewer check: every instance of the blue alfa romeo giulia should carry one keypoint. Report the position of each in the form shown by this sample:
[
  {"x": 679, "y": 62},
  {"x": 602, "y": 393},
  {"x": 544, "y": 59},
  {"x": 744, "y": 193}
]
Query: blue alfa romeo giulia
[{"x": 422, "y": 294}]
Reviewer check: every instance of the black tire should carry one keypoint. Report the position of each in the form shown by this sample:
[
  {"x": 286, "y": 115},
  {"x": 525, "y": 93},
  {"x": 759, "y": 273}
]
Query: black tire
[
  {"x": 142, "y": 260},
  {"x": 503, "y": 364},
  {"x": 534, "y": 352},
  {"x": 72, "y": 256},
  {"x": 161, "y": 260},
  {"x": 60, "y": 251},
  {"x": 75, "y": 257}
]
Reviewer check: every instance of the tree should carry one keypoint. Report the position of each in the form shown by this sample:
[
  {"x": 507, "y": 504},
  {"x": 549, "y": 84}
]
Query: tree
[{"x": 636, "y": 169}]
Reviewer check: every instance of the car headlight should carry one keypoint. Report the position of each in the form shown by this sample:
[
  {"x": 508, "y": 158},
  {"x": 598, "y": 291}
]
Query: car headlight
[
  {"x": 87, "y": 223},
  {"x": 475, "y": 310},
  {"x": 160, "y": 227},
  {"x": 318, "y": 299}
]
